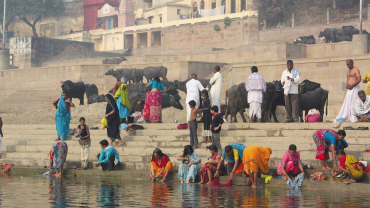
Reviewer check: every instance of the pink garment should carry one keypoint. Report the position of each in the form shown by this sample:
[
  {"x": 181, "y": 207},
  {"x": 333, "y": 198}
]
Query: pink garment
[
  {"x": 313, "y": 118},
  {"x": 291, "y": 162}
]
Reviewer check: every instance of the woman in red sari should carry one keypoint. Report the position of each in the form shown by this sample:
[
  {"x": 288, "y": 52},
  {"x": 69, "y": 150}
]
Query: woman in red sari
[
  {"x": 153, "y": 101},
  {"x": 209, "y": 169}
]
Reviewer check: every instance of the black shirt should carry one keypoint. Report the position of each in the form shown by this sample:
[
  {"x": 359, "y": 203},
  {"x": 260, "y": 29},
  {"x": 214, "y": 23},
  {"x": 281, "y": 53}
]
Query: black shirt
[{"x": 217, "y": 120}]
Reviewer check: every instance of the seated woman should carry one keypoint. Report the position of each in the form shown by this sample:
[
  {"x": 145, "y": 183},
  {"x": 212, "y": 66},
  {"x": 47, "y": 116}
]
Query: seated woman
[
  {"x": 209, "y": 169},
  {"x": 59, "y": 154},
  {"x": 190, "y": 165},
  {"x": 328, "y": 140},
  {"x": 160, "y": 165},
  {"x": 233, "y": 155},
  {"x": 255, "y": 159},
  {"x": 348, "y": 166},
  {"x": 290, "y": 165}
]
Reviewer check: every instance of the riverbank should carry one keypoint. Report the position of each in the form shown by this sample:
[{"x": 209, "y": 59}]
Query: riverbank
[{"x": 361, "y": 187}]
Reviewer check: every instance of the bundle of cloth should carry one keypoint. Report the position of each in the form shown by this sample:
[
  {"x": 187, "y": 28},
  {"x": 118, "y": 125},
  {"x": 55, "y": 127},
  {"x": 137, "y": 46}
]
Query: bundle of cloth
[
  {"x": 313, "y": 116},
  {"x": 318, "y": 176}
]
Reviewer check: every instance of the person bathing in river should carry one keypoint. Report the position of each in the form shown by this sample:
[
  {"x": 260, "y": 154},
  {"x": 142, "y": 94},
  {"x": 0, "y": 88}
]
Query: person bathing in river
[
  {"x": 160, "y": 165},
  {"x": 153, "y": 101},
  {"x": 209, "y": 169},
  {"x": 254, "y": 160},
  {"x": 84, "y": 142},
  {"x": 348, "y": 166},
  {"x": 113, "y": 120},
  {"x": 108, "y": 157},
  {"x": 232, "y": 155},
  {"x": 290, "y": 166},
  {"x": 58, "y": 154},
  {"x": 328, "y": 140},
  {"x": 63, "y": 116},
  {"x": 190, "y": 164}
]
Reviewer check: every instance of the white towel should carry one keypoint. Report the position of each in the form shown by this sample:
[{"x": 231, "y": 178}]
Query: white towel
[{"x": 287, "y": 87}]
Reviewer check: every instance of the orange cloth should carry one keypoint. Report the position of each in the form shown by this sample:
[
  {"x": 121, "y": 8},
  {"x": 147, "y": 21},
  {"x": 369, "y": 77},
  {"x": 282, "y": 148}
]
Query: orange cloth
[
  {"x": 255, "y": 158},
  {"x": 239, "y": 169},
  {"x": 157, "y": 169}
]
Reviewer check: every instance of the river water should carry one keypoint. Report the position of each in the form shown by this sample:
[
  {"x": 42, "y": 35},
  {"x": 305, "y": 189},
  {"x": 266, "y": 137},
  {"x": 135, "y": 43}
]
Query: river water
[{"x": 39, "y": 191}]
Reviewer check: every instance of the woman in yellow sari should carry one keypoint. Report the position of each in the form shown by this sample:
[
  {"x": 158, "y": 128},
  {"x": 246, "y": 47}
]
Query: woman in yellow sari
[
  {"x": 255, "y": 159},
  {"x": 349, "y": 166}
]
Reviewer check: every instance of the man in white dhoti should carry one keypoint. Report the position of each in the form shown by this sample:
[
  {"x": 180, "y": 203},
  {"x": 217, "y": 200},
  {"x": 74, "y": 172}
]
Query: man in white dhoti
[
  {"x": 193, "y": 87},
  {"x": 362, "y": 105},
  {"x": 216, "y": 90},
  {"x": 353, "y": 80},
  {"x": 255, "y": 86}
]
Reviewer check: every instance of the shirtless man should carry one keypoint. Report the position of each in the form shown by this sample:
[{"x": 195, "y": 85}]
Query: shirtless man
[{"x": 353, "y": 79}]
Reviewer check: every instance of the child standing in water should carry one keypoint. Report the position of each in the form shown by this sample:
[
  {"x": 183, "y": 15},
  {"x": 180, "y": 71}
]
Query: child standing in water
[{"x": 207, "y": 117}]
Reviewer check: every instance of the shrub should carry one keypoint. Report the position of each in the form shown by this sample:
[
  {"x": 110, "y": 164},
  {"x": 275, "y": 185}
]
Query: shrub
[
  {"x": 216, "y": 27},
  {"x": 227, "y": 21}
]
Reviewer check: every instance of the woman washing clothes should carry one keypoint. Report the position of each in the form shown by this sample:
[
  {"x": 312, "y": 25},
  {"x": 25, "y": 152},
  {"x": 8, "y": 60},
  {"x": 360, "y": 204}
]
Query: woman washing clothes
[
  {"x": 254, "y": 160},
  {"x": 153, "y": 101},
  {"x": 290, "y": 166},
  {"x": 328, "y": 140},
  {"x": 349, "y": 166},
  {"x": 190, "y": 165},
  {"x": 122, "y": 101},
  {"x": 232, "y": 155},
  {"x": 63, "y": 116},
  {"x": 113, "y": 120},
  {"x": 209, "y": 169},
  {"x": 160, "y": 165},
  {"x": 59, "y": 155}
]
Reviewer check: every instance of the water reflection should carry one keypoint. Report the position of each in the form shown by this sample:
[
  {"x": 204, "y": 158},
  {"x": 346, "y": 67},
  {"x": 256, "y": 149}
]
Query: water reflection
[
  {"x": 160, "y": 194},
  {"x": 189, "y": 195},
  {"x": 108, "y": 194},
  {"x": 57, "y": 193}
]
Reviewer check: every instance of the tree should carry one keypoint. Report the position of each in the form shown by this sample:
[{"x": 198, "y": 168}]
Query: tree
[
  {"x": 274, "y": 10},
  {"x": 10, "y": 14},
  {"x": 38, "y": 9}
]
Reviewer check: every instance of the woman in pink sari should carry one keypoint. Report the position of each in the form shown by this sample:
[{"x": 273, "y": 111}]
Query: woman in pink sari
[
  {"x": 209, "y": 169},
  {"x": 153, "y": 101},
  {"x": 290, "y": 165}
]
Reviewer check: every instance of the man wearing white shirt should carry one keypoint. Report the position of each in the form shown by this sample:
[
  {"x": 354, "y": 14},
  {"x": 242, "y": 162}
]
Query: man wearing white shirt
[
  {"x": 362, "y": 105},
  {"x": 216, "y": 90},
  {"x": 193, "y": 87},
  {"x": 290, "y": 79}
]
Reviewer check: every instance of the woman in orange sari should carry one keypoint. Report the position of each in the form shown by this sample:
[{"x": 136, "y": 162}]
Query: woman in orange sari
[
  {"x": 209, "y": 169},
  {"x": 255, "y": 159},
  {"x": 160, "y": 165}
]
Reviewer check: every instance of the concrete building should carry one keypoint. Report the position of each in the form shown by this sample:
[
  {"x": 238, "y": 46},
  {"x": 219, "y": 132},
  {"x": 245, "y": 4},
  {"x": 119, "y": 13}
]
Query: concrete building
[
  {"x": 117, "y": 17},
  {"x": 231, "y": 6}
]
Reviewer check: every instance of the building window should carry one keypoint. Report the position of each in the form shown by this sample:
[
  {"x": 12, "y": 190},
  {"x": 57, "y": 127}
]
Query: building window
[
  {"x": 243, "y": 5},
  {"x": 178, "y": 11},
  {"x": 213, "y": 4},
  {"x": 202, "y": 4},
  {"x": 160, "y": 19},
  {"x": 223, "y": 4},
  {"x": 150, "y": 20},
  {"x": 232, "y": 6},
  {"x": 195, "y": 7}
]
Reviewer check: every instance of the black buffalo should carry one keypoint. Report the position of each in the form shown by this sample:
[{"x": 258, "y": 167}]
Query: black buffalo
[
  {"x": 236, "y": 101},
  {"x": 167, "y": 101},
  {"x": 313, "y": 99},
  {"x": 151, "y": 72},
  {"x": 273, "y": 97},
  {"x": 308, "y": 85},
  {"x": 128, "y": 74},
  {"x": 74, "y": 90},
  {"x": 181, "y": 85},
  {"x": 90, "y": 91},
  {"x": 337, "y": 38},
  {"x": 139, "y": 74},
  {"x": 305, "y": 40},
  {"x": 327, "y": 33},
  {"x": 114, "y": 60},
  {"x": 95, "y": 99}
]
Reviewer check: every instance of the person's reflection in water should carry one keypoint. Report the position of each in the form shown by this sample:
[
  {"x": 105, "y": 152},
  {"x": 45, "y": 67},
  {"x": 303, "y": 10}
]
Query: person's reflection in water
[
  {"x": 160, "y": 194},
  {"x": 84, "y": 193},
  {"x": 57, "y": 193},
  {"x": 294, "y": 198},
  {"x": 254, "y": 199},
  {"x": 190, "y": 195},
  {"x": 109, "y": 195}
]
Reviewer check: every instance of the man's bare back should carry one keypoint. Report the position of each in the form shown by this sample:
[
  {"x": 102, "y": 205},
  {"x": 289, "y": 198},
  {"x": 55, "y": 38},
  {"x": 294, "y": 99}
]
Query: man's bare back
[
  {"x": 193, "y": 115},
  {"x": 353, "y": 75}
]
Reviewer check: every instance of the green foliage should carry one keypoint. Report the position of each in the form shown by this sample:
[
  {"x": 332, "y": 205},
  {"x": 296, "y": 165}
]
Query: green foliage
[
  {"x": 216, "y": 27},
  {"x": 10, "y": 14},
  {"x": 274, "y": 9},
  {"x": 227, "y": 21}
]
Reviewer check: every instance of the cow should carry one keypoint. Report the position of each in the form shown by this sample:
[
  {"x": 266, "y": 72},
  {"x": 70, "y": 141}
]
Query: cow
[
  {"x": 90, "y": 91},
  {"x": 167, "y": 101},
  {"x": 151, "y": 72},
  {"x": 236, "y": 101},
  {"x": 327, "y": 33},
  {"x": 114, "y": 60},
  {"x": 128, "y": 74},
  {"x": 95, "y": 99},
  {"x": 273, "y": 97},
  {"x": 74, "y": 90},
  {"x": 313, "y": 99},
  {"x": 305, "y": 40}
]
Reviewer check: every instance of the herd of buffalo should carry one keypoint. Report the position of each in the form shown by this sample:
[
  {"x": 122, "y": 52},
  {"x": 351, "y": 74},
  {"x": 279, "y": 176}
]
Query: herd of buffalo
[
  {"x": 311, "y": 94},
  {"x": 333, "y": 35}
]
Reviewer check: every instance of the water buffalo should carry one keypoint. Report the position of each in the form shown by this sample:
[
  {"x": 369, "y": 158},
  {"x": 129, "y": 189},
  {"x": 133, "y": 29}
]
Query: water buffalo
[
  {"x": 128, "y": 74},
  {"x": 273, "y": 97},
  {"x": 182, "y": 85},
  {"x": 336, "y": 39},
  {"x": 139, "y": 74},
  {"x": 327, "y": 33},
  {"x": 151, "y": 72},
  {"x": 95, "y": 99},
  {"x": 305, "y": 40},
  {"x": 114, "y": 60},
  {"x": 167, "y": 101},
  {"x": 74, "y": 90},
  {"x": 90, "y": 91},
  {"x": 307, "y": 85},
  {"x": 236, "y": 101},
  {"x": 313, "y": 99}
]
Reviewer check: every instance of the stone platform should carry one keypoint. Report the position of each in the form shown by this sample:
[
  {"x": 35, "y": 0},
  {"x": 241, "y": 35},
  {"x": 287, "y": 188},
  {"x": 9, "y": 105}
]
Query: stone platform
[{"x": 29, "y": 145}]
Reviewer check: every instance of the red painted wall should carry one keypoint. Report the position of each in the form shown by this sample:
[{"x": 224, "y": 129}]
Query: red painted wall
[{"x": 91, "y": 8}]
